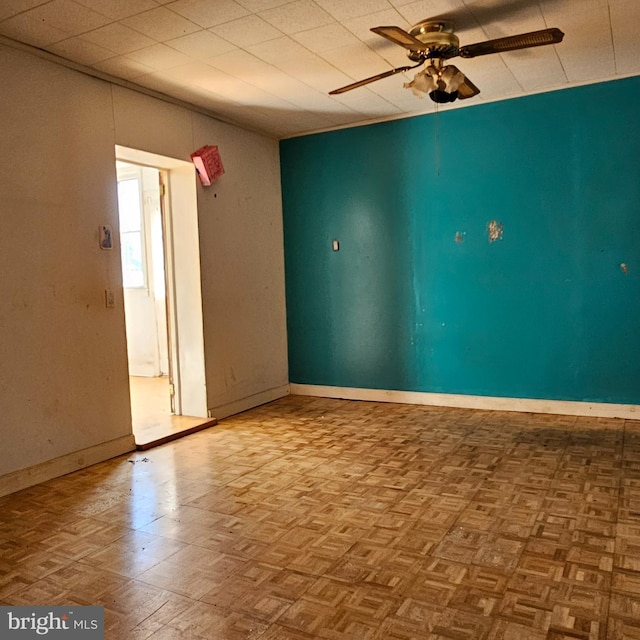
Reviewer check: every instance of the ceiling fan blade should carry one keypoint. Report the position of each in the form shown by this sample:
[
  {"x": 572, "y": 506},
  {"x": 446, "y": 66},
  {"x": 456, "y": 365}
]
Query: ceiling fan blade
[
  {"x": 512, "y": 43},
  {"x": 482, "y": 12},
  {"x": 467, "y": 89},
  {"x": 361, "y": 83},
  {"x": 399, "y": 36}
]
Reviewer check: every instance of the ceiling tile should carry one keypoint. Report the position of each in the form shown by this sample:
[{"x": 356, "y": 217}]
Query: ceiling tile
[
  {"x": 491, "y": 75},
  {"x": 201, "y": 45},
  {"x": 325, "y": 103},
  {"x": 488, "y": 14},
  {"x": 393, "y": 91},
  {"x": 210, "y": 101},
  {"x": 357, "y": 61},
  {"x": 199, "y": 74},
  {"x": 122, "y": 67},
  {"x": 361, "y": 28},
  {"x": 194, "y": 74},
  {"x": 221, "y": 105},
  {"x": 297, "y": 16},
  {"x": 478, "y": 34},
  {"x": 225, "y": 85},
  {"x": 278, "y": 50},
  {"x": 159, "y": 83},
  {"x": 625, "y": 22},
  {"x": 261, "y": 74},
  {"x": 118, "y": 9},
  {"x": 375, "y": 107},
  {"x": 81, "y": 51},
  {"x": 238, "y": 90},
  {"x": 118, "y": 38},
  {"x": 585, "y": 30},
  {"x": 579, "y": 70},
  {"x": 46, "y": 23},
  {"x": 255, "y": 6},
  {"x": 342, "y": 10},
  {"x": 70, "y": 16},
  {"x": 417, "y": 11},
  {"x": 226, "y": 110},
  {"x": 208, "y": 14},
  {"x": 326, "y": 77},
  {"x": 535, "y": 73},
  {"x": 357, "y": 100},
  {"x": 528, "y": 18},
  {"x": 321, "y": 39},
  {"x": 161, "y": 24},
  {"x": 505, "y": 18},
  {"x": 10, "y": 8},
  {"x": 332, "y": 120},
  {"x": 300, "y": 63},
  {"x": 159, "y": 56},
  {"x": 29, "y": 29},
  {"x": 259, "y": 120},
  {"x": 246, "y": 31},
  {"x": 242, "y": 64}
]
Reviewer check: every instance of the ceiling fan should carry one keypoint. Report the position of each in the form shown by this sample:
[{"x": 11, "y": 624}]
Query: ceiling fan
[{"x": 434, "y": 41}]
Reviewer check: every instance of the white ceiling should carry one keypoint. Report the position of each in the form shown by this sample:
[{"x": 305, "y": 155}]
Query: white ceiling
[{"x": 269, "y": 64}]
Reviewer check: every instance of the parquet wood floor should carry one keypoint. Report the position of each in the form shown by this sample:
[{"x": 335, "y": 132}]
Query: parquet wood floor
[{"x": 312, "y": 518}]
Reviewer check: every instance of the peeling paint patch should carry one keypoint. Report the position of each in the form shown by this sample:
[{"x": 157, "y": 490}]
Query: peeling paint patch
[
  {"x": 494, "y": 230},
  {"x": 625, "y": 268},
  {"x": 460, "y": 237}
]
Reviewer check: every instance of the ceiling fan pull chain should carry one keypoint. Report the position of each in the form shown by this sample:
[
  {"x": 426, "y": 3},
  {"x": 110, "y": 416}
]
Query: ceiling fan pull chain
[{"x": 437, "y": 139}]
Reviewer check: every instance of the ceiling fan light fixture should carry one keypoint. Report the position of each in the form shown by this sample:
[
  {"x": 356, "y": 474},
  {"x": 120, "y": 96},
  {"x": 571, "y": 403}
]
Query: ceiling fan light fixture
[
  {"x": 452, "y": 78},
  {"x": 422, "y": 83},
  {"x": 441, "y": 97},
  {"x": 439, "y": 83}
]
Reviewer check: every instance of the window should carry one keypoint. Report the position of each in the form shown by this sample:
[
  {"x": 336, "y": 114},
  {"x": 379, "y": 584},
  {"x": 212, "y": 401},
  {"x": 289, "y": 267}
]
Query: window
[{"x": 131, "y": 237}]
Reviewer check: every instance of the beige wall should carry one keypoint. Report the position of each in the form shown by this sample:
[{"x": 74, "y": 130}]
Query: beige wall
[
  {"x": 63, "y": 379},
  {"x": 242, "y": 261},
  {"x": 241, "y": 247}
]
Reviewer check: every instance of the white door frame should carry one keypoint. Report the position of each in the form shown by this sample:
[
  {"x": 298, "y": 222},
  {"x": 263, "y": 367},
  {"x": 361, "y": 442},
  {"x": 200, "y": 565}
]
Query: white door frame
[{"x": 184, "y": 294}]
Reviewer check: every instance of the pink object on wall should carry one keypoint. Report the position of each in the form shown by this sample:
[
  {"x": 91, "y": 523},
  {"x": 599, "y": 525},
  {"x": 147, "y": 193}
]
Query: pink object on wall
[{"x": 208, "y": 164}]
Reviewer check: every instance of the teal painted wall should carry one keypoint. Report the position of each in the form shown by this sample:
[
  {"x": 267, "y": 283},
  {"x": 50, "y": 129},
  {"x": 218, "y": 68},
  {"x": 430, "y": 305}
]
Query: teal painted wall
[{"x": 546, "y": 311}]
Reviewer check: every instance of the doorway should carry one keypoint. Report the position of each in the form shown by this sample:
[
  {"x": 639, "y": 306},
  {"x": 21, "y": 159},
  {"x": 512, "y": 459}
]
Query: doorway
[
  {"x": 161, "y": 289},
  {"x": 145, "y": 300}
]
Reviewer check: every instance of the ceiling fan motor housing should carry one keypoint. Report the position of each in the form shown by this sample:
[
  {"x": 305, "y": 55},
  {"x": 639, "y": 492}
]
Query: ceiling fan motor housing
[{"x": 439, "y": 40}]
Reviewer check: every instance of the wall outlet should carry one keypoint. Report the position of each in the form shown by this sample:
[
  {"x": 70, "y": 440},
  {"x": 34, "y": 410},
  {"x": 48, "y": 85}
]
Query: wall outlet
[{"x": 109, "y": 299}]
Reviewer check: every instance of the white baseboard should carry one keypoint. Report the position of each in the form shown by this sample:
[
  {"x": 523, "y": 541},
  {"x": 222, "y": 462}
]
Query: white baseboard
[
  {"x": 527, "y": 405},
  {"x": 238, "y": 406},
  {"x": 23, "y": 478}
]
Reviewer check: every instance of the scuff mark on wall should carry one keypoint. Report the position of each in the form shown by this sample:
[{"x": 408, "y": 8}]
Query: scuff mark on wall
[
  {"x": 625, "y": 268},
  {"x": 494, "y": 230},
  {"x": 460, "y": 237}
]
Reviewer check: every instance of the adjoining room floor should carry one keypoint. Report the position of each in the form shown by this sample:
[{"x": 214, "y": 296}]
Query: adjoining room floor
[
  {"x": 153, "y": 421},
  {"x": 312, "y": 518}
]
